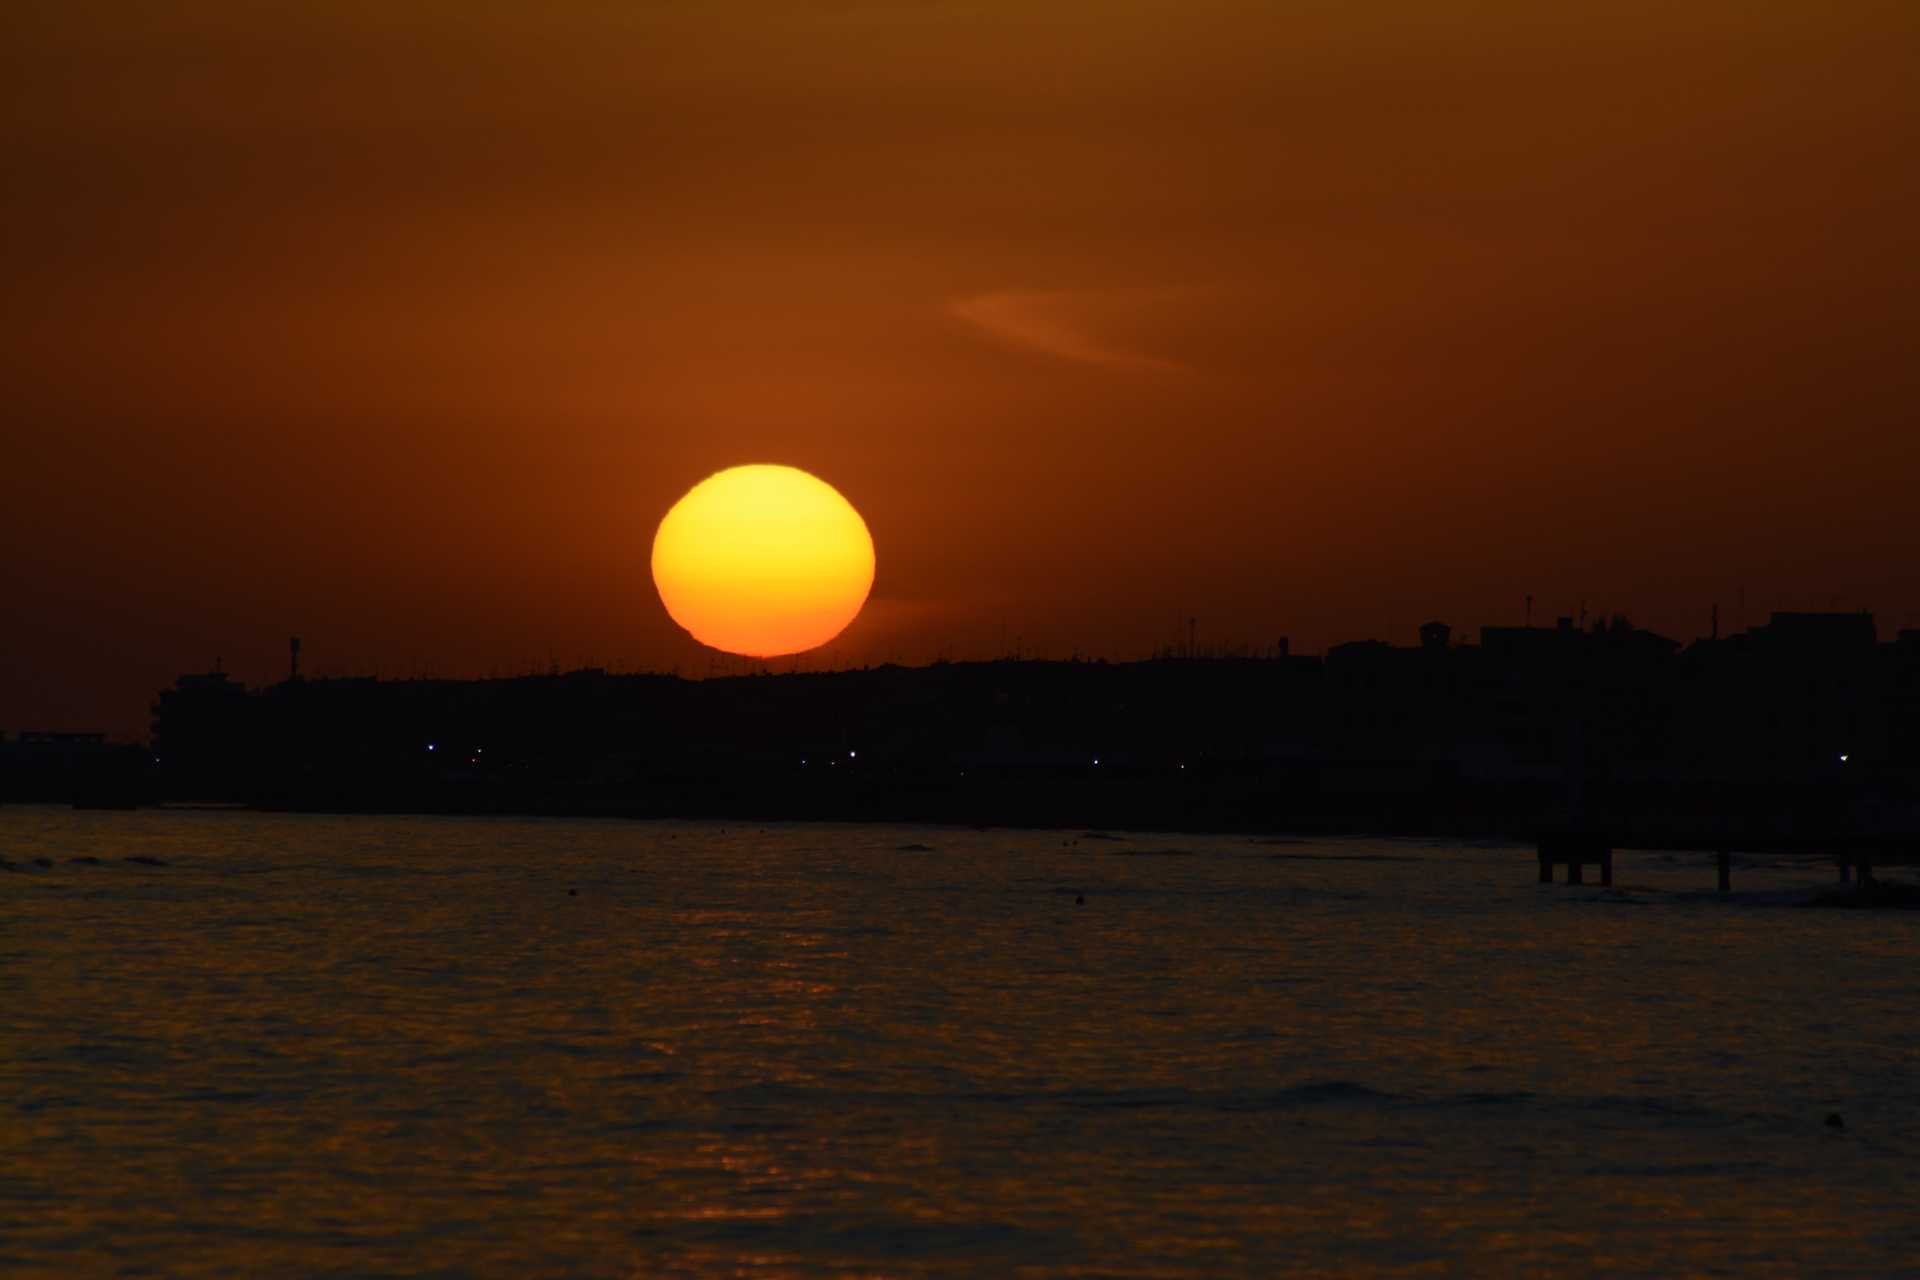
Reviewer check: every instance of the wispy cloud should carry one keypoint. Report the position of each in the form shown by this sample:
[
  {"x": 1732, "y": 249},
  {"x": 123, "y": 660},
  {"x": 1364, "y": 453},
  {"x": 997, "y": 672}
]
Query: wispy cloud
[{"x": 1067, "y": 324}]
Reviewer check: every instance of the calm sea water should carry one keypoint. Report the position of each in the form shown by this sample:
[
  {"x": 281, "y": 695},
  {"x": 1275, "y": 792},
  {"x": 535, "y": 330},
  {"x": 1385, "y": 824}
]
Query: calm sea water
[{"x": 366, "y": 1046}]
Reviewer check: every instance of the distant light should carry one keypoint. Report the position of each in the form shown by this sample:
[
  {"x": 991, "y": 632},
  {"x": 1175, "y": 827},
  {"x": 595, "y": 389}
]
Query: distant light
[
  {"x": 1843, "y": 757},
  {"x": 431, "y": 747},
  {"x": 1096, "y": 759},
  {"x": 852, "y": 754}
]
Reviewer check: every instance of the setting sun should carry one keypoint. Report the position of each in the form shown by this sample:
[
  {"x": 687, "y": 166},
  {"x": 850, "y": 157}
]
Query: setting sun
[{"x": 763, "y": 560}]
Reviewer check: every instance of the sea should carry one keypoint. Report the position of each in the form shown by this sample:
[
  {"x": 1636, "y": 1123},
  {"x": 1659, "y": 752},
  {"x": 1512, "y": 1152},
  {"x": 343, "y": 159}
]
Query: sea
[{"x": 244, "y": 1044}]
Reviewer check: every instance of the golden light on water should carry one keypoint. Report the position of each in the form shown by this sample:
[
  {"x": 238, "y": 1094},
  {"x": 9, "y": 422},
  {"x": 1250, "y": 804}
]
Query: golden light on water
[{"x": 763, "y": 560}]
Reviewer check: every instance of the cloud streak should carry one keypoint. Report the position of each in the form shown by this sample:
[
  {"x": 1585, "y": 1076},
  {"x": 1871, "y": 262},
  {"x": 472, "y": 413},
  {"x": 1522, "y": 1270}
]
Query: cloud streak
[{"x": 1066, "y": 324}]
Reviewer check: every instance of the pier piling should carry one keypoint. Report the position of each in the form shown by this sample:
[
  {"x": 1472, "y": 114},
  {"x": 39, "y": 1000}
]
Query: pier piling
[{"x": 1575, "y": 851}]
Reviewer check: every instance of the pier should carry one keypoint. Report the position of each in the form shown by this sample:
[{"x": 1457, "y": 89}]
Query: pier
[
  {"x": 1856, "y": 856},
  {"x": 1576, "y": 851}
]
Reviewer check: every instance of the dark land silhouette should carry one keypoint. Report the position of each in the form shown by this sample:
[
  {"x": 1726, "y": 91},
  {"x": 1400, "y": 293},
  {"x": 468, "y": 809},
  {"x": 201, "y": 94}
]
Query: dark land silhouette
[{"x": 1805, "y": 729}]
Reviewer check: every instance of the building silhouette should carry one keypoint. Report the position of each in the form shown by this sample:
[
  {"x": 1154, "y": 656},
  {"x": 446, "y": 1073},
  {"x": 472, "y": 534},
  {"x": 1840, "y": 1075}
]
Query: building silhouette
[{"x": 1805, "y": 724}]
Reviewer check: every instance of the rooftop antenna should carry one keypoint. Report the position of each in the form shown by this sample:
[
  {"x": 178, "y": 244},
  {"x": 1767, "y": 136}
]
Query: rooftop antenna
[
  {"x": 1716, "y": 622},
  {"x": 1192, "y": 622},
  {"x": 293, "y": 659}
]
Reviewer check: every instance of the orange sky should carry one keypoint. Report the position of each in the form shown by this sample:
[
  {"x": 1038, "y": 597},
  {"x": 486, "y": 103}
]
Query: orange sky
[{"x": 399, "y": 326}]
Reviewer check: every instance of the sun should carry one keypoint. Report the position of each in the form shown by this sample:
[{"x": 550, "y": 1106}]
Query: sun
[{"x": 763, "y": 560}]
